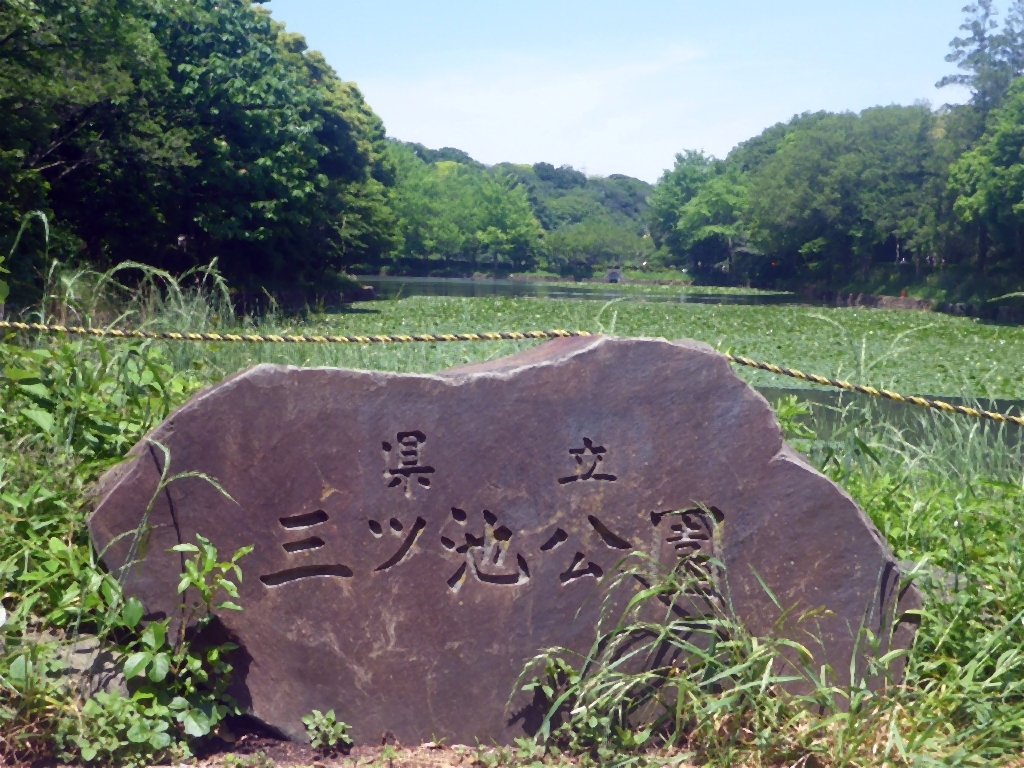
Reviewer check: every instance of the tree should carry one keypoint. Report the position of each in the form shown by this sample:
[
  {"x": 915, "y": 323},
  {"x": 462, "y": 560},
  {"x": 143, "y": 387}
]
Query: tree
[
  {"x": 75, "y": 81},
  {"x": 989, "y": 181},
  {"x": 578, "y": 250},
  {"x": 981, "y": 55},
  {"x": 458, "y": 219},
  {"x": 173, "y": 133},
  {"x": 847, "y": 191},
  {"x": 711, "y": 225},
  {"x": 674, "y": 190}
]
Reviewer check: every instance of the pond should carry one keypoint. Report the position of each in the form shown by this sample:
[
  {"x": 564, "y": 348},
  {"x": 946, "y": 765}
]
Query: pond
[{"x": 401, "y": 287}]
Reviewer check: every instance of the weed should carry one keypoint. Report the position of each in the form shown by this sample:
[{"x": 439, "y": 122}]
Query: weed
[
  {"x": 946, "y": 492},
  {"x": 492, "y": 757},
  {"x": 325, "y": 733},
  {"x": 257, "y": 760},
  {"x": 388, "y": 755}
]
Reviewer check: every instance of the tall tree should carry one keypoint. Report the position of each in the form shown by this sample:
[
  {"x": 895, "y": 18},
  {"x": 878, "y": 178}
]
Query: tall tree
[
  {"x": 76, "y": 77},
  {"x": 675, "y": 189},
  {"x": 989, "y": 181},
  {"x": 711, "y": 225},
  {"x": 172, "y": 133},
  {"x": 981, "y": 54},
  {"x": 457, "y": 219}
]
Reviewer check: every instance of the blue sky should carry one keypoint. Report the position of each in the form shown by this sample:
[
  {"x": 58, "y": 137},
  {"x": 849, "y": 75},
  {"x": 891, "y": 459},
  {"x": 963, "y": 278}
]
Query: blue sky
[{"x": 620, "y": 87}]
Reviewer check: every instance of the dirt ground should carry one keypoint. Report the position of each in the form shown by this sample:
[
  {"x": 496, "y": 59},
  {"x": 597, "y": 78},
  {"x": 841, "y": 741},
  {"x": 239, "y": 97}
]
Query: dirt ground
[{"x": 261, "y": 752}]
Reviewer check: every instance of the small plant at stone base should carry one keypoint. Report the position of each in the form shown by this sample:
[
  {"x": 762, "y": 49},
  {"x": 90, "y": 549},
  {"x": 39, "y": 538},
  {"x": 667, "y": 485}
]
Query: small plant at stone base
[
  {"x": 182, "y": 690},
  {"x": 120, "y": 730},
  {"x": 530, "y": 753},
  {"x": 199, "y": 679},
  {"x": 388, "y": 755},
  {"x": 492, "y": 757},
  {"x": 325, "y": 733},
  {"x": 258, "y": 760}
]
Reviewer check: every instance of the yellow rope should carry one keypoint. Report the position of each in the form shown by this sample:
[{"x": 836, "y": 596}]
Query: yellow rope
[
  {"x": 885, "y": 394},
  {"x": 77, "y": 330}
]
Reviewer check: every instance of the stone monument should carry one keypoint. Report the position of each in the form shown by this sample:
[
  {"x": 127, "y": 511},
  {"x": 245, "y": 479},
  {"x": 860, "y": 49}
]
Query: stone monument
[{"x": 419, "y": 537}]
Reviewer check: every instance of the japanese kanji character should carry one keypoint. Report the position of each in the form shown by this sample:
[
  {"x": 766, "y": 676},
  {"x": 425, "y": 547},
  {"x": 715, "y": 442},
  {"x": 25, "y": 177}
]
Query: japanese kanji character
[
  {"x": 487, "y": 554},
  {"x": 402, "y": 462},
  {"x": 303, "y": 546},
  {"x": 587, "y": 459}
]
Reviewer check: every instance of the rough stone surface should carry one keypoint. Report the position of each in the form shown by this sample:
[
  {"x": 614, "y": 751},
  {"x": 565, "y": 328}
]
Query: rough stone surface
[
  {"x": 91, "y": 669},
  {"x": 418, "y": 537}
]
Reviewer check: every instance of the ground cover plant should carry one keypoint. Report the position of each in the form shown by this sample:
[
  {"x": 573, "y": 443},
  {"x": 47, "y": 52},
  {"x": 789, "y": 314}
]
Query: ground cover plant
[
  {"x": 911, "y": 352},
  {"x": 946, "y": 492}
]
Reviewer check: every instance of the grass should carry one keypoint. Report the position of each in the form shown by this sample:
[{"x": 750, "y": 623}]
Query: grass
[
  {"x": 946, "y": 492},
  {"x": 910, "y": 352}
]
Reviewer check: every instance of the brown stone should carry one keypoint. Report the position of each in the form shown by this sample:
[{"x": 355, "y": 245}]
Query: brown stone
[{"x": 418, "y": 537}]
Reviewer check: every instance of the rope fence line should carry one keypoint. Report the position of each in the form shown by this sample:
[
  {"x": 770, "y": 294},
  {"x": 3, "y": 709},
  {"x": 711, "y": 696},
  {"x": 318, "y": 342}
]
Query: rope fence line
[
  {"x": 884, "y": 394},
  {"x": 103, "y": 333}
]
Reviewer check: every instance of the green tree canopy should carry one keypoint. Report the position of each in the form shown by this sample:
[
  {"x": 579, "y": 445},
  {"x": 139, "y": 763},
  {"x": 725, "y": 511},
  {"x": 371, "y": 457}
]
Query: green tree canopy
[
  {"x": 458, "y": 219},
  {"x": 989, "y": 180},
  {"x": 173, "y": 133}
]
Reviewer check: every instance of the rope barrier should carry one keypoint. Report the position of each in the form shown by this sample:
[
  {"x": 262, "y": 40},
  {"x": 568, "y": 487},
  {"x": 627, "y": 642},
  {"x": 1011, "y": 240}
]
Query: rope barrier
[
  {"x": 102, "y": 333},
  {"x": 885, "y": 394},
  {"x": 823, "y": 381}
]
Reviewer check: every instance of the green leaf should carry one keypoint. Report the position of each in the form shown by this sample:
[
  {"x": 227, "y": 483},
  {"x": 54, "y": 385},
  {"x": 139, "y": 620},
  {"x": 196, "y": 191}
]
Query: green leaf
[
  {"x": 131, "y": 614},
  {"x": 138, "y": 733},
  {"x": 42, "y": 418},
  {"x": 160, "y": 740},
  {"x": 154, "y": 635},
  {"x": 161, "y": 666},
  {"x": 196, "y": 723},
  {"x": 17, "y": 374},
  {"x": 36, "y": 390},
  {"x": 136, "y": 664},
  {"x": 20, "y": 670},
  {"x": 57, "y": 546},
  {"x": 191, "y": 548}
]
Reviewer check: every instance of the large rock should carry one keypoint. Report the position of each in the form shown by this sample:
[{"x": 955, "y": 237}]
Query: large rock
[{"x": 418, "y": 537}]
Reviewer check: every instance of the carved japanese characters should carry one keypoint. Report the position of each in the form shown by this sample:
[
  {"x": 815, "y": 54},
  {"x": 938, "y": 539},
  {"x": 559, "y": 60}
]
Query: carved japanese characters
[{"x": 418, "y": 538}]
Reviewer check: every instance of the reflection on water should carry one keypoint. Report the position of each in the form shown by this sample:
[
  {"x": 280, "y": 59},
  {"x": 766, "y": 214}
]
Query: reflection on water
[{"x": 401, "y": 287}]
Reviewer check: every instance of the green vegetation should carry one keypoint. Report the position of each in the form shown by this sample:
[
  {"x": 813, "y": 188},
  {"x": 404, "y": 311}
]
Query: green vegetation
[
  {"x": 459, "y": 217},
  {"x": 591, "y": 223},
  {"x": 946, "y": 500},
  {"x": 174, "y": 133},
  {"x": 944, "y": 491},
  {"x": 325, "y": 733},
  {"x": 909, "y": 352},
  {"x": 894, "y": 198},
  {"x": 152, "y": 137}
]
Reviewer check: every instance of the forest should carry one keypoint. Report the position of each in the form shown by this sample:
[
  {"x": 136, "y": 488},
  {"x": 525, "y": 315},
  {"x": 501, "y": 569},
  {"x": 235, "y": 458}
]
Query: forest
[{"x": 175, "y": 134}]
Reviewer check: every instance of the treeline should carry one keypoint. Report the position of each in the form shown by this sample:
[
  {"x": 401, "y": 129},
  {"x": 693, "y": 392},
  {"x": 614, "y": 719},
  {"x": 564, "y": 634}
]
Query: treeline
[
  {"x": 882, "y": 200},
  {"x": 178, "y": 133},
  {"x": 175, "y": 133},
  {"x": 458, "y": 217}
]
